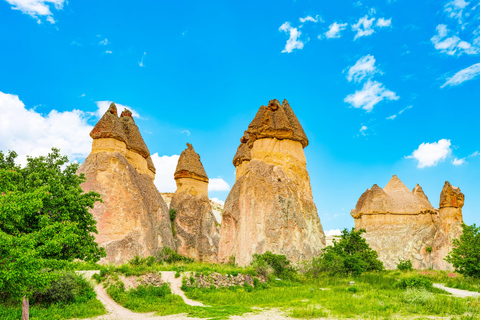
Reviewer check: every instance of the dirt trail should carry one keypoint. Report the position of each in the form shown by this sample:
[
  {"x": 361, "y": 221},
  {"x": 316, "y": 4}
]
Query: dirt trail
[
  {"x": 457, "y": 292},
  {"x": 175, "y": 284}
]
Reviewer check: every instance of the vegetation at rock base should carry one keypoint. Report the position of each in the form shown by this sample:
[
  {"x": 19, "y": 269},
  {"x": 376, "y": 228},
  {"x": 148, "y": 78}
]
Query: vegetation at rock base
[
  {"x": 404, "y": 265},
  {"x": 350, "y": 255},
  {"x": 44, "y": 223},
  {"x": 465, "y": 255}
]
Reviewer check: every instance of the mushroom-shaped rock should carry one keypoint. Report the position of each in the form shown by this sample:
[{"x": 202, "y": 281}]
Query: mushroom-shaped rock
[
  {"x": 133, "y": 218},
  {"x": 196, "y": 229},
  {"x": 451, "y": 196},
  {"x": 270, "y": 207},
  {"x": 109, "y": 126}
]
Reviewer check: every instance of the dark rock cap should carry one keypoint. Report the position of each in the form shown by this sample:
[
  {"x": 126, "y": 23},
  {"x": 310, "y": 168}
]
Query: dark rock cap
[
  {"x": 451, "y": 196},
  {"x": 134, "y": 138},
  {"x": 109, "y": 126},
  {"x": 190, "y": 166},
  {"x": 273, "y": 121}
]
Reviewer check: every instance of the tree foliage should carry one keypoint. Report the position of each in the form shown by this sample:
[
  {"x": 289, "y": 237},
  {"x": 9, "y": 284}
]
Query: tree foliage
[
  {"x": 350, "y": 255},
  {"x": 465, "y": 255},
  {"x": 44, "y": 221}
]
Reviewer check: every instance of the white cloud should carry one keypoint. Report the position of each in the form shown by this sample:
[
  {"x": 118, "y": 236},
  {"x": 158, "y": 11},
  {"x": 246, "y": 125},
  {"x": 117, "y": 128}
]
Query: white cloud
[
  {"x": 104, "y": 105},
  {"x": 475, "y": 154},
  {"x": 186, "y": 131},
  {"x": 28, "y": 132},
  {"x": 363, "y": 27},
  {"x": 36, "y": 8},
  {"x": 364, "y": 67},
  {"x": 455, "y": 9},
  {"x": 333, "y": 232},
  {"x": 335, "y": 29},
  {"x": 108, "y": 51},
  {"x": 310, "y": 18},
  {"x": 382, "y": 23},
  {"x": 141, "y": 61},
  {"x": 372, "y": 93},
  {"x": 165, "y": 167},
  {"x": 292, "y": 42},
  {"x": 218, "y": 184},
  {"x": 218, "y": 201},
  {"x": 451, "y": 44},
  {"x": 457, "y": 162},
  {"x": 463, "y": 75},
  {"x": 103, "y": 42},
  {"x": 363, "y": 129},
  {"x": 399, "y": 113},
  {"x": 430, "y": 154}
]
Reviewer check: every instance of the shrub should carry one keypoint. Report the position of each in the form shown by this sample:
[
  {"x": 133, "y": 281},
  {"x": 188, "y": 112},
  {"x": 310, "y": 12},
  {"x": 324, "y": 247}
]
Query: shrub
[
  {"x": 278, "y": 262},
  {"x": 169, "y": 255},
  {"x": 404, "y": 265},
  {"x": 352, "y": 289},
  {"x": 68, "y": 288},
  {"x": 429, "y": 249},
  {"x": 465, "y": 255},
  {"x": 414, "y": 282},
  {"x": 350, "y": 255},
  {"x": 173, "y": 215},
  {"x": 177, "y": 274}
]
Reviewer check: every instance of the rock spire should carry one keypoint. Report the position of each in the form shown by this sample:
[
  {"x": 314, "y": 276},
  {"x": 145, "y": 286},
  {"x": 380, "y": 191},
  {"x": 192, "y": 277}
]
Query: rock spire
[
  {"x": 270, "y": 207},
  {"x": 133, "y": 218},
  {"x": 196, "y": 230}
]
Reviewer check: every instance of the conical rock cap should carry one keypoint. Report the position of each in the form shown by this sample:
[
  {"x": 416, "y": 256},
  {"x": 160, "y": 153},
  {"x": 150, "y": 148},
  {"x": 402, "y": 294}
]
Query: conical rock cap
[
  {"x": 109, "y": 126},
  {"x": 134, "y": 138},
  {"x": 190, "y": 166},
  {"x": 451, "y": 196}
]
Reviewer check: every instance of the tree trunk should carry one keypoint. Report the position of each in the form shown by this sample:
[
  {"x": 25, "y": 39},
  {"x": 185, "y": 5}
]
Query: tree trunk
[{"x": 25, "y": 307}]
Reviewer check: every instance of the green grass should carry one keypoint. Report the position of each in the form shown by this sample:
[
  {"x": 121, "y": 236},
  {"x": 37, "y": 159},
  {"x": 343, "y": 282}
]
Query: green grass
[{"x": 91, "y": 308}]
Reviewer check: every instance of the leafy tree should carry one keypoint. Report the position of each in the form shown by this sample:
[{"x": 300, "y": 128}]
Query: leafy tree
[
  {"x": 350, "y": 255},
  {"x": 465, "y": 255},
  {"x": 44, "y": 222},
  {"x": 278, "y": 262}
]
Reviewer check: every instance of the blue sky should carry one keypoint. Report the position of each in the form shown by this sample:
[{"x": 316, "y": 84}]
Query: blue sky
[{"x": 380, "y": 87}]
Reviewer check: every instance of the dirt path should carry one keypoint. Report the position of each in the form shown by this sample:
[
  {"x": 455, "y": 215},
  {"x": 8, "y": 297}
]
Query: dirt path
[
  {"x": 457, "y": 292},
  {"x": 175, "y": 284}
]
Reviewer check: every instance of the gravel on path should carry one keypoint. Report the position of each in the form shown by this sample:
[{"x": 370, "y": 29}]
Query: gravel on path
[{"x": 457, "y": 292}]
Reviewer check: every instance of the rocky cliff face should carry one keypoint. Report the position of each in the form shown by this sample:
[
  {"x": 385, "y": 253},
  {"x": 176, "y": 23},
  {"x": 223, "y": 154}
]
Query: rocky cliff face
[
  {"x": 270, "y": 207},
  {"x": 133, "y": 218},
  {"x": 404, "y": 225},
  {"x": 196, "y": 229}
]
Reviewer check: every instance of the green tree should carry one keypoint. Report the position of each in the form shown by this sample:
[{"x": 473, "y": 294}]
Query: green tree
[
  {"x": 465, "y": 255},
  {"x": 350, "y": 255},
  {"x": 44, "y": 222}
]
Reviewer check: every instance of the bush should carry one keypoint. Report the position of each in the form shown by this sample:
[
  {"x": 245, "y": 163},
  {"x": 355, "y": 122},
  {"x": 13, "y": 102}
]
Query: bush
[
  {"x": 404, "y": 265},
  {"x": 352, "y": 289},
  {"x": 465, "y": 255},
  {"x": 414, "y": 282},
  {"x": 278, "y": 262},
  {"x": 169, "y": 255},
  {"x": 68, "y": 288},
  {"x": 173, "y": 215},
  {"x": 138, "y": 261},
  {"x": 350, "y": 255}
]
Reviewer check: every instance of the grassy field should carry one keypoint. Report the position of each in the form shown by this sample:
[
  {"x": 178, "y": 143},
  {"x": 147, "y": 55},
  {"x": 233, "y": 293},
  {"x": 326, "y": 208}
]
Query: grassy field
[{"x": 374, "y": 295}]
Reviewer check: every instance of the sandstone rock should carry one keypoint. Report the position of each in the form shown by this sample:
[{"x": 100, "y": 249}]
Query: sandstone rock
[
  {"x": 401, "y": 224},
  {"x": 270, "y": 207},
  {"x": 196, "y": 229},
  {"x": 133, "y": 218}
]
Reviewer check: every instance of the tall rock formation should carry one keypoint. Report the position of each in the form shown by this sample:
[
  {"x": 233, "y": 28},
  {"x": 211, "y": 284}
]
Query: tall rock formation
[
  {"x": 195, "y": 227},
  {"x": 270, "y": 207},
  {"x": 133, "y": 218},
  {"x": 450, "y": 224},
  {"x": 404, "y": 225}
]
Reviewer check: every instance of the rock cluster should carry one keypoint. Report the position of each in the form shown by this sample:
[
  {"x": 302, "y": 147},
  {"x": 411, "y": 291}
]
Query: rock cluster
[
  {"x": 402, "y": 224},
  {"x": 196, "y": 229},
  {"x": 133, "y": 218},
  {"x": 153, "y": 279},
  {"x": 270, "y": 207},
  {"x": 222, "y": 281}
]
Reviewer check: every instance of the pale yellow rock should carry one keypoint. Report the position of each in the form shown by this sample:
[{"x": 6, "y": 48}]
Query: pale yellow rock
[
  {"x": 241, "y": 169},
  {"x": 193, "y": 186},
  {"x": 109, "y": 145}
]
